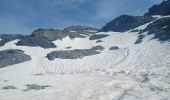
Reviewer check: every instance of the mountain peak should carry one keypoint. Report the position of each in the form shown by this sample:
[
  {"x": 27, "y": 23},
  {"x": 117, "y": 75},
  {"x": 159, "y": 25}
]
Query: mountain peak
[{"x": 160, "y": 9}]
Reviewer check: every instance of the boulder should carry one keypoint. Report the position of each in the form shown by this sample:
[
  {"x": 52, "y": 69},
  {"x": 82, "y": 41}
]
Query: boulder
[
  {"x": 71, "y": 54},
  {"x": 97, "y": 36},
  {"x": 12, "y": 56}
]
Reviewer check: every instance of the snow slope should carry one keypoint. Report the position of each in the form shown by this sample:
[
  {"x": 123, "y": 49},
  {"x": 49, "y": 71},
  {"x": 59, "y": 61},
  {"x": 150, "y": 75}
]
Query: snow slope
[{"x": 134, "y": 72}]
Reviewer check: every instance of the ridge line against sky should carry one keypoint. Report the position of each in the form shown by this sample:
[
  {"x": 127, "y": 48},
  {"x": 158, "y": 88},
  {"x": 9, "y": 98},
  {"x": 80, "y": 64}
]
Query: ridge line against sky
[{"x": 23, "y": 16}]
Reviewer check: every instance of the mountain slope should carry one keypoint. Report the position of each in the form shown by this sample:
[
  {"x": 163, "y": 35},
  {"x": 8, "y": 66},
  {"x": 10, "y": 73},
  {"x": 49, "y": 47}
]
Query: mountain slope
[{"x": 130, "y": 64}]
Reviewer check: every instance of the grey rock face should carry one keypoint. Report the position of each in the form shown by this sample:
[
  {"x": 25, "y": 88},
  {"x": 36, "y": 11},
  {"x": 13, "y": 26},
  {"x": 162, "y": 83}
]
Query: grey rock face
[
  {"x": 71, "y": 54},
  {"x": 11, "y": 57},
  {"x": 34, "y": 41},
  {"x": 35, "y": 87},
  {"x": 114, "y": 48},
  {"x": 126, "y": 22},
  {"x": 9, "y": 37},
  {"x": 160, "y": 29},
  {"x": 98, "y": 36},
  {"x": 160, "y": 9},
  {"x": 8, "y": 87},
  {"x": 50, "y": 34}
]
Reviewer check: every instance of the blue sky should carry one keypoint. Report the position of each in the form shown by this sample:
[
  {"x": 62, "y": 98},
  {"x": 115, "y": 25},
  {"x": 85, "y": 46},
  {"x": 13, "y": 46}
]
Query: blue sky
[{"x": 23, "y": 16}]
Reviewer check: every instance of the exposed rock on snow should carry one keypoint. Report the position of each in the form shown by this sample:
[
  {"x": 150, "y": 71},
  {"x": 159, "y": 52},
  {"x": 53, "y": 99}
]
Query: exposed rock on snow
[
  {"x": 71, "y": 31},
  {"x": 34, "y": 41},
  {"x": 11, "y": 57},
  {"x": 125, "y": 23},
  {"x": 81, "y": 30},
  {"x": 99, "y": 47},
  {"x": 139, "y": 39},
  {"x": 71, "y": 54},
  {"x": 160, "y": 28},
  {"x": 9, "y": 37},
  {"x": 8, "y": 87},
  {"x": 160, "y": 9},
  {"x": 50, "y": 34},
  {"x": 114, "y": 48},
  {"x": 69, "y": 47},
  {"x": 98, "y": 36},
  {"x": 98, "y": 41},
  {"x": 35, "y": 87}
]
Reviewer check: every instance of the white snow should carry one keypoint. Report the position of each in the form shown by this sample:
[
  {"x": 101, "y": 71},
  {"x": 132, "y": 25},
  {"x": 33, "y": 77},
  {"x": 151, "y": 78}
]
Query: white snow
[{"x": 133, "y": 72}]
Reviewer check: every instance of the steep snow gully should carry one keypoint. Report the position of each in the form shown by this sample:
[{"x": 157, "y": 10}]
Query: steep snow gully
[{"x": 130, "y": 72}]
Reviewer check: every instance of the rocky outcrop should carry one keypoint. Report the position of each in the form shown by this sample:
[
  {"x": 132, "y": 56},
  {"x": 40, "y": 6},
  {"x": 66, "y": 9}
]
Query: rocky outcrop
[
  {"x": 34, "y": 41},
  {"x": 50, "y": 34},
  {"x": 98, "y": 47},
  {"x": 11, "y": 57},
  {"x": 114, "y": 48},
  {"x": 71, "y": 54},
  {"x": 71, "y": 31},
  {"x": 160, "y": 9},
  {"x": 125, "y": 23},
  {"x": 79, "y": 31},
  {"x": 97, "y": 36},
  {"x": 160, "y": 28},
  {"x": 139, "y": 39},
  {"x": 36, "y": 87},
  {"x": 9, "y": 37}
]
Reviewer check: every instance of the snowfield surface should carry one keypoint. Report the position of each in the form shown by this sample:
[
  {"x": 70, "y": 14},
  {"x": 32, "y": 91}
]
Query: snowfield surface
[{"x": 133, "y": 72}]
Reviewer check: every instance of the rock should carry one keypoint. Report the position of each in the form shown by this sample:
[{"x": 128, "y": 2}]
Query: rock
[
  {"x": 77, "y": 29},
  {"x": 71, "y": 54},
  {"x": 50, "y": 34},
  {"x": 35, "y": 87},
  {"x": 99, "y": 47},
  {"x": 97, "y": 36},
  {"x": 125, "y": 23},
  {"x": 160, "y": 28},
  {"x": 98, "y": 41},
  {"x": 71, "y": 31},
  {"x": 139, "y": 39},
  {"x": 9, "y": 37},
  {"x": 160, "y": 9},
  {"x": 69, "y": 47},
  {"x": 34, "y": 41},
  {"x": 8, "y": 87},
  {"x": 12, "y": 56},
  {"x": 114, "y": 48}
]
